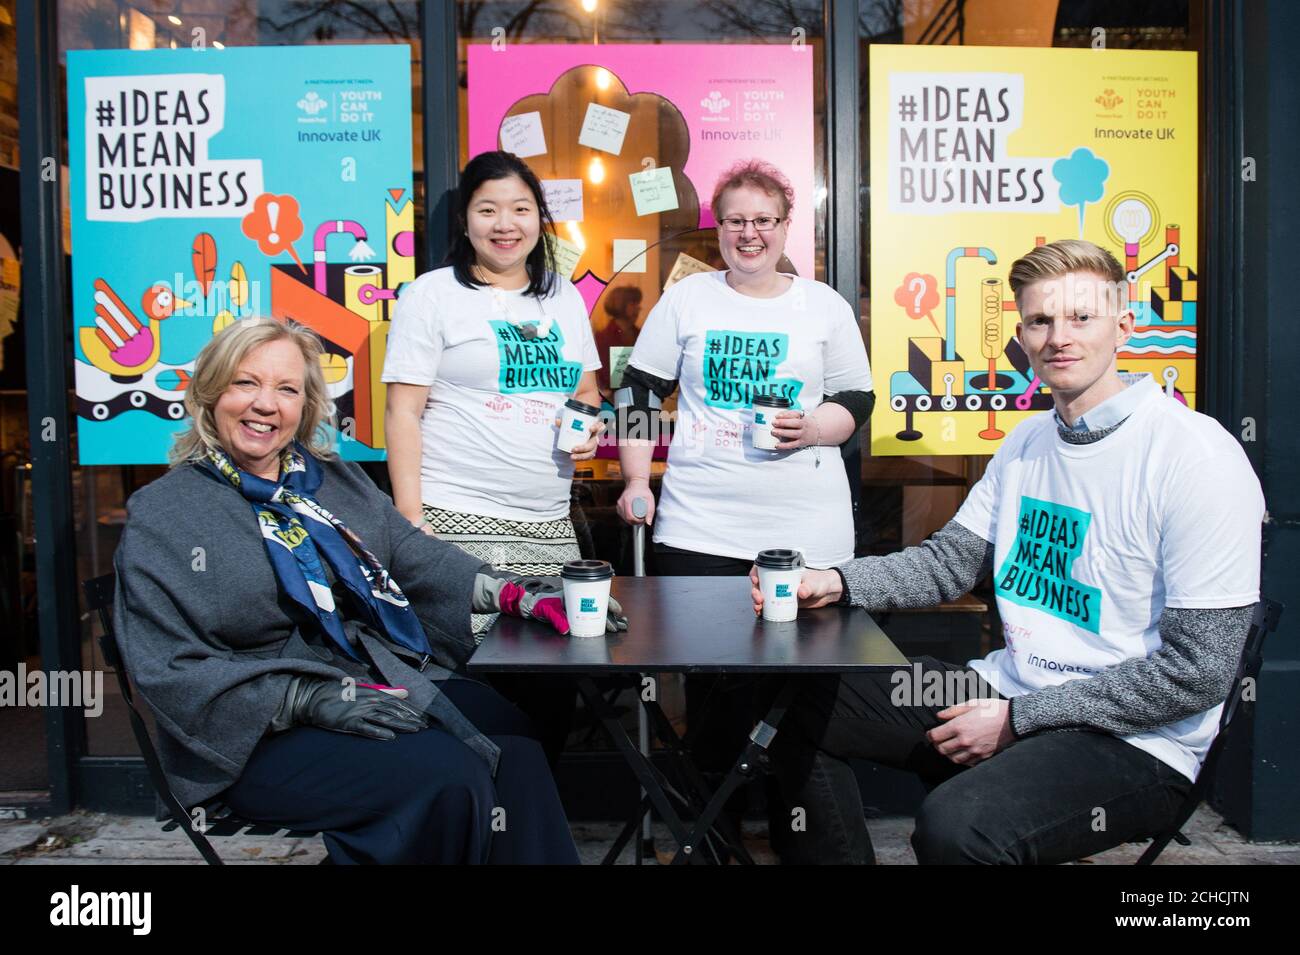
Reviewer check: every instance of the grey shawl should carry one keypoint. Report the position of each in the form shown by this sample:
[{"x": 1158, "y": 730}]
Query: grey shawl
[{"x": 211, "y": 643}]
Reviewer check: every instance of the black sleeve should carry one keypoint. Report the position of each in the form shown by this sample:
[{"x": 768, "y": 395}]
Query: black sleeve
[
  {"x": 643, "y": 381},
  {"x": 637, "y": 402},
  {"x": 857, "y": 403}
]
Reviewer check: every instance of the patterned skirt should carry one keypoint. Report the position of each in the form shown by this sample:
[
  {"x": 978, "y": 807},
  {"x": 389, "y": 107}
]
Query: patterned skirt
[{"x": 530, "y": 548}]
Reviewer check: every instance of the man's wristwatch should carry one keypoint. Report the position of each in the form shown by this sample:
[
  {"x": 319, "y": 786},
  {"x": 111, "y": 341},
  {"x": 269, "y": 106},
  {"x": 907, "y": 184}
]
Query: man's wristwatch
[{"x": 846, "y": 599}]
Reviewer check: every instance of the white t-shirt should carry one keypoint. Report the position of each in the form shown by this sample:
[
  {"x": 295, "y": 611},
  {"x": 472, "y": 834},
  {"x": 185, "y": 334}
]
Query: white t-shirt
[
  {"x": 720, "y": 495},
  {"x": 1093, "y": 541},
  {"x": 488, "y": 431}
]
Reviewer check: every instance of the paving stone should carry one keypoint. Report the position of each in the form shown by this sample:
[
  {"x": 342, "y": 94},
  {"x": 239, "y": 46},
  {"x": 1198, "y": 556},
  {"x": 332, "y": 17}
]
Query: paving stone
[
  {"x": 97, "y": 839},
  {"x": 18, "y": 835}
]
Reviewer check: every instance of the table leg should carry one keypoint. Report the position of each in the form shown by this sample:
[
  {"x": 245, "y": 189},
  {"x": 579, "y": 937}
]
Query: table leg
[
  {"x": 651, "y": 780},
  {"x": 760, "y": 738},
  {"x": 625, "y": 834},
  {"x": 692, "y": 780}
]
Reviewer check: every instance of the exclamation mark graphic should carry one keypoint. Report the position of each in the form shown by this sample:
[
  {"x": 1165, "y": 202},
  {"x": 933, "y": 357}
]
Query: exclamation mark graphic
[{"x": 273, "y": 214}]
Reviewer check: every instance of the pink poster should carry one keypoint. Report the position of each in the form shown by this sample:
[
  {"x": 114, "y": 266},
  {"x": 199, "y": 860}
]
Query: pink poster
[{"x": 630, "y": 139}]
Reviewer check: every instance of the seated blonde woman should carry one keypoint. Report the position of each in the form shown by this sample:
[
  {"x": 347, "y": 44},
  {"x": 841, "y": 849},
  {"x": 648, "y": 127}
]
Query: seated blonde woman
[{"x": 301, "y": 644}]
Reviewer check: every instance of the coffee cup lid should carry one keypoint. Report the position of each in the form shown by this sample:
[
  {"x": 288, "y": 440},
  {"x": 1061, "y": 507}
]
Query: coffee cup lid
[
  {"x": 581, "y": 407},
  {"x": 587, "y": 570},
  {"x": 772, "y": 401},
  {"x": 779, "y": 558}
]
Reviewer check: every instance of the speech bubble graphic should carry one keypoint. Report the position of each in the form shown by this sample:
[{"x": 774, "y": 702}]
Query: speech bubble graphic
[
  {"x": 1083, "y": 179},
  {"x": 274, "y": 224},
  {"x": 612, "y": 209},
  {"x": 919, "y": 297}
]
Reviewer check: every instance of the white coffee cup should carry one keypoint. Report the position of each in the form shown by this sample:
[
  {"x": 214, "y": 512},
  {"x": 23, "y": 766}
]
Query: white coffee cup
[
  {"x": 586, "y": 596},
  {"x": 779, "y": 573},
  {"x": 576, "y": 423},
  {"x": 766, "y": 408}
]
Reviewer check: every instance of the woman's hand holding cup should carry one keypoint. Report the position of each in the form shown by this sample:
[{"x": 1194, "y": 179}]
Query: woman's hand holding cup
[
  {"x": 587, "y": 450},
  {"x": 578, "y": 429},
  {"x": 817, "y": 588},
  {"x": 793, "y": 430}
]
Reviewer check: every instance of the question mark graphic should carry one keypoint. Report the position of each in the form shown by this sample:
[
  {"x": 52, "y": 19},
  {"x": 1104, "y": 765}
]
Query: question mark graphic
[{"x": 917, "y": 284}]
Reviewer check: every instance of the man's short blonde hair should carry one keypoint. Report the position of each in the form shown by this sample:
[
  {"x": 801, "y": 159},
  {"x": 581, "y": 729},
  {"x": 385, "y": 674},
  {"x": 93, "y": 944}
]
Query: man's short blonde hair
[
  {"x": 1060, "y": 258},
  {"x": 215, "y": 369}
]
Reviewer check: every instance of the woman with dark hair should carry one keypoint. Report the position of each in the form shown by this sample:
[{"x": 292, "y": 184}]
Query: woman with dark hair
[{"x": 482, "y": 355}]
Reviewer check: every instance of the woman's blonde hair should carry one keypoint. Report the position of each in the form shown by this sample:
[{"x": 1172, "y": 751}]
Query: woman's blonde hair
[{"x": 215, "y": 369}]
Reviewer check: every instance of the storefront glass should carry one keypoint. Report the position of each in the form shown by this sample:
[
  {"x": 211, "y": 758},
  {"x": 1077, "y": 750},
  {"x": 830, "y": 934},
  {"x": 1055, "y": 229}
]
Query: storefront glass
[
  {"x": 101, "y": 491},
  {"x": 907, "y": 498}
]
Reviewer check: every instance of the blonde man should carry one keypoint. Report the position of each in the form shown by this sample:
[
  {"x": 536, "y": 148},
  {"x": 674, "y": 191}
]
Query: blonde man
[{"x": 1122, "y": 531}]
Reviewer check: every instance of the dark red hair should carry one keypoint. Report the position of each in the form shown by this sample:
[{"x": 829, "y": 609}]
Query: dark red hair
[{"x": 762, "y": 176}]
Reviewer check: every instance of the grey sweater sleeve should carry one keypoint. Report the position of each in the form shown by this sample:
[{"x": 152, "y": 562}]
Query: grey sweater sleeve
[
  {"x": 942, "y": 568},
  {"x": 1190, "y": 673}
]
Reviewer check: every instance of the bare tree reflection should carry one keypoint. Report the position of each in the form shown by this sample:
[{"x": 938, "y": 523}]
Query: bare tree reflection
[{"x": 325, "y": 20}]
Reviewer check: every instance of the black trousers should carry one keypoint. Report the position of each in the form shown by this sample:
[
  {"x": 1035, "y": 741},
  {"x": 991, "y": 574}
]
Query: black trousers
[
  {"x": 719, "y": 709},
  {"x": 548, "y": 701},
  {"x": 1048, "y": 798},
  {"x": 422, "y": 798}
]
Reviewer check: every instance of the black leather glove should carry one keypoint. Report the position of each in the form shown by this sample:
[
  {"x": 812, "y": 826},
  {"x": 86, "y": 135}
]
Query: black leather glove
[{"x": 347, "y": 708}]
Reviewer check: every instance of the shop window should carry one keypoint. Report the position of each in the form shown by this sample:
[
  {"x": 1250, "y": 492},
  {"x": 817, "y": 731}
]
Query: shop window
[
  {"x": 101, "y": 491},
  {"x": 909, "y": 496}
]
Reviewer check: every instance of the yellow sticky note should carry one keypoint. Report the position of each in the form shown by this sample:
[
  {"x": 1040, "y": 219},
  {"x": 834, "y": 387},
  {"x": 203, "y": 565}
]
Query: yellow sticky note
[
  {"x": 618, "y": 356},
  {"x": 653, "y": 190},
  {"x": 683, "y": 266},
  {"x": 604, "y": 128},
  {"x": 629, "y": 255},
  {"x": 566, "y": 253}
]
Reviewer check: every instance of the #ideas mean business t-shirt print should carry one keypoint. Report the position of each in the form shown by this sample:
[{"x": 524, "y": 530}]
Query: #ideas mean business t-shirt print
[
  {"x": 533, "y": 364},
  {"x": 1036, "y": 572},
  {"x": 740, "y": 365}
]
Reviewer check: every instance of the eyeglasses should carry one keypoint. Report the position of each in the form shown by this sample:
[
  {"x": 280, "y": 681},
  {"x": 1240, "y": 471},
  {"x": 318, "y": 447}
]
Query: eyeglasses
[{"x": 761, "y": 223}]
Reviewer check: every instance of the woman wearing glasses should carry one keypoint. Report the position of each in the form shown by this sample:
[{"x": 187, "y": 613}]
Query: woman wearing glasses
[{"x": 725, "y": 338}]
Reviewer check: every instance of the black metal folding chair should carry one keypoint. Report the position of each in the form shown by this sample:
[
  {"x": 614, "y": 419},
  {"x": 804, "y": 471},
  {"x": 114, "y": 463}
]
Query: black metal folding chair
[
  {"x": 210, "y": 819},
  {"x": 1264, "y": 622}
]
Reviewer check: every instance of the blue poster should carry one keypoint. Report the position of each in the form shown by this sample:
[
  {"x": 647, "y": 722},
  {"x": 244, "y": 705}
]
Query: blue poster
[{"x": 210, "y": 186}]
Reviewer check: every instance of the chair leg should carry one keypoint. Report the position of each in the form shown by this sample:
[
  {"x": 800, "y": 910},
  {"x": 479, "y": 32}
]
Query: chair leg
[{"x": 203, "y": 845}]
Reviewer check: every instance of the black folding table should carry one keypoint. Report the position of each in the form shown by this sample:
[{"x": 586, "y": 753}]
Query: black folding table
[{"x": 691, "y": 625}]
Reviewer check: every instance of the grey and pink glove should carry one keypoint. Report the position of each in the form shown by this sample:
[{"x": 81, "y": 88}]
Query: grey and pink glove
[{"x": 536, "y": 598}]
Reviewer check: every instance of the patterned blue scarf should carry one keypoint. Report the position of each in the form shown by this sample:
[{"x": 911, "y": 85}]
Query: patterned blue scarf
[{"x": 298, "y": 531}]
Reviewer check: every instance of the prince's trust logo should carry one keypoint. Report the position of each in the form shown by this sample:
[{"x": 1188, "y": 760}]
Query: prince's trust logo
[
  {"x": 715, "y": 102},
  {"x": 1036, "y": 572}
]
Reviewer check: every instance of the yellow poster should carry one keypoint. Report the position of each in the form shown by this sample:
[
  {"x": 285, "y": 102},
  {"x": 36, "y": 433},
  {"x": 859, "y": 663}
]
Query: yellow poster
[{"x": 977, "y": 155}]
